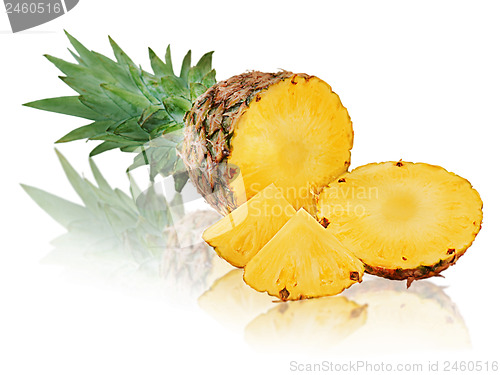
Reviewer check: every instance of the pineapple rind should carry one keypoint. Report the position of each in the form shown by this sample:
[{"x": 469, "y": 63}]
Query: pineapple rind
[
  {"x": 431, "y": 253},
  {"x": 209, "y": 127}
]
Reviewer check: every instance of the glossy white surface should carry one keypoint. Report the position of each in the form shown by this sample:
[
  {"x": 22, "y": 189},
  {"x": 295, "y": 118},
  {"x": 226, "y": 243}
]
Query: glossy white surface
[{"x": 420, "y": 83}]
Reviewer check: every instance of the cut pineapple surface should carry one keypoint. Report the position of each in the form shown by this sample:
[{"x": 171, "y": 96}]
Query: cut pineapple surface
[
  {"x": 403, "y": 220},
  {"x": 238, "y": 236},
  {"x": 303, "y": 260},
  {"x": 298, "y": 136},
  {"x": 282, "y": 128}
]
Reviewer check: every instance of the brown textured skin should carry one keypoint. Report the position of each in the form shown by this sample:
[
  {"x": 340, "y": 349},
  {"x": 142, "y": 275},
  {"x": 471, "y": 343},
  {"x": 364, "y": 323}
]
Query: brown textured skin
[
  {"x": 410, "y": 275},
  {"x": 210, "y": 124}
]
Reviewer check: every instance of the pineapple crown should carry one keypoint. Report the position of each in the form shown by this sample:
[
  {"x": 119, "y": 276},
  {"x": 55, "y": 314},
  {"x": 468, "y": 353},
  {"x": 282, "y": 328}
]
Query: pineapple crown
[{"x": 131, "y": 109}]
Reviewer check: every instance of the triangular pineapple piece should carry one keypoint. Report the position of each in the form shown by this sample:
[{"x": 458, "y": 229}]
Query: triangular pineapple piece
[
  {"x": 303, "y": 260},
  {"x": 403, "y": 220},
  {"x": 240, "y": 235}
]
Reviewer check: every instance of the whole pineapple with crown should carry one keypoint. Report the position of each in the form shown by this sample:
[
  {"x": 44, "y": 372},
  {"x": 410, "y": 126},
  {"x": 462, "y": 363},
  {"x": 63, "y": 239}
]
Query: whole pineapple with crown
[{"x": 239, "y": 136}]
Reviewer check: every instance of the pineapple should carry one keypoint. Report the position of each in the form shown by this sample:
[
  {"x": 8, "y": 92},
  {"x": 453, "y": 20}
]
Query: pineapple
[
  {"x": 282, "y": 128},
  {"x": 238, "y": 236},
  {"x": 403, "y": 220},
  {"x": 301, "y": 261}
]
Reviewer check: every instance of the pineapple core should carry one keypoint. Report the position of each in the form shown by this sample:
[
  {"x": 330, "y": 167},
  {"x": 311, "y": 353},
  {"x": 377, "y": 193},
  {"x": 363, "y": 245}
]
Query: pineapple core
[{"x": 297, "y": 135}]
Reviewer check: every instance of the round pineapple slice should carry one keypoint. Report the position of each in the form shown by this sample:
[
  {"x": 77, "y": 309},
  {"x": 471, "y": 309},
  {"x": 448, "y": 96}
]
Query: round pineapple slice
[
  {"x": 403, "y": 220},
  {"x": 282, "y": 128},
  {"x": 303, "y": 260}
]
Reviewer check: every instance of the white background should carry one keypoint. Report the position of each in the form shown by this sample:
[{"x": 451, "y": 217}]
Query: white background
[{"x": 421, "y": 83}]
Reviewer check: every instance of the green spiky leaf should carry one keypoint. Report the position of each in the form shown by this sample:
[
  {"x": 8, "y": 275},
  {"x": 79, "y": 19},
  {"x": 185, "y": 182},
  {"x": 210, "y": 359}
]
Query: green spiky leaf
[{"x": 129, "y": 107}]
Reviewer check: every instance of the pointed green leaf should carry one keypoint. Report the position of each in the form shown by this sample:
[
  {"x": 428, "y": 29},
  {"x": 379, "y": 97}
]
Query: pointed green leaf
[
  {"x": 89, "y": 59},
  {"x": 117, "y": 220},
  {"x": 165, "y": 129},
  {"x": 127, "y": 201},
  {"x": 205, "y": 63},
  {"x": 121, "y": 56},
  {"x": 209, "y": 79},
  {"x": 79, "y": 185},
  {"x": 152, "y": 82},
  {"x": 168, "y": 61},
  {"x": 139, "y": 160},
  {"x": 67, "y": 105},
  {"x": 180, "y": 180},
  {"x": 174, "y": 86},
  {"x": 104, "y": 106},
  {"x": 158, "y": 66},
  {"x": 76, "y": 57},
  {"x": 197, "y": 89},
  {"x": 61, "y": 210},
  {"x": 99, "y": 178},
  {"x": 154, "y": 208},
  {"x": 86, "y": 131},
  {"x": 186, "y": 65},
  {"x": 195, "y": 75},
  {"x": 118, "y": 138},
  {"x": 177, "y": 107},
  {"x": 131, "y": 129},
  {"x": 104, "y": 146},
  {"x": 85, "y": 86},
  {"x": 136, "y": 76},
  {"x": 68, "y": 68},
  {"x": 134, "y": 188},
  {"x": 131, "y": 103},
  {"x": 131, "y": 148},
  {"x": 120, "y": 74}
]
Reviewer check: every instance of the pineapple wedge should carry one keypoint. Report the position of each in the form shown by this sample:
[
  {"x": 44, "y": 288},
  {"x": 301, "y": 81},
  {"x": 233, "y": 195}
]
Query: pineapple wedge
[
  {"x": 303, "y": 260},
  {"x": 238, "y": 236},
  {"x": 403, "y": 220}
]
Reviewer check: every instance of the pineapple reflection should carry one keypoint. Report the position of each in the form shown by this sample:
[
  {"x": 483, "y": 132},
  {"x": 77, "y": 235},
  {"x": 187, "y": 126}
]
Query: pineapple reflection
[
  {"x": 232, "y": 302},
  {"x": 422, "y": 317},
  {"x": 137, "y": 239},
  {"x": 375, "y": 316},
  {"x": 316, "y": 323}
]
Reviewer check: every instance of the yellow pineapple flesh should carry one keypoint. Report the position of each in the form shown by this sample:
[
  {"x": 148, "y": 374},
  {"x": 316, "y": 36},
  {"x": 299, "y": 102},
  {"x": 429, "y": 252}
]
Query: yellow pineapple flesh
[
  {"x": 283, "y": 128},
  {"x": 303, "y": 260},
  {"x": 238, "y": 236},
  {"x": 403, "y": 220},
  {"x": 297, "y": 136}
]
